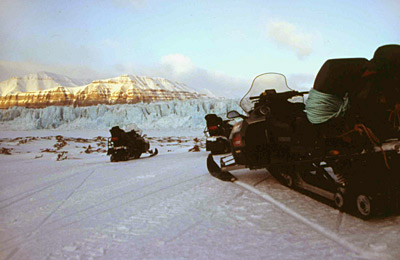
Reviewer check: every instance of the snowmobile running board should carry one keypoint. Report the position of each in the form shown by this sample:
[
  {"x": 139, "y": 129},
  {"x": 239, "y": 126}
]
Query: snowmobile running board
[
  {"x": 216, "y": 171},
  {"x": 228, "y": 164}
]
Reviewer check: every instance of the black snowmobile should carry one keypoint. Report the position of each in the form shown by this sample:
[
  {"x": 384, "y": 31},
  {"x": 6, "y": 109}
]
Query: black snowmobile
[
  {"x": 123, "y": 146},
  {"x": 343, "y": 145},
  {"x": 217, "y": 132}
]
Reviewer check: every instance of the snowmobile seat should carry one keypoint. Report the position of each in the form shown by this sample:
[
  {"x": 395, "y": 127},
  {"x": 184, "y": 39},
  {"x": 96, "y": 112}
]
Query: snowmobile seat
[
  {"x": 116, "y": 131},
  {"x": 386, "y": 60},
  {"x": 336, "y": 88},
  {"x": 214, "y": 125},
  {"x": 118, "y": 136},
  {"x": 213, "y": 119},
  {"x": 386, "y": 65},
  {"x": 132, "y": 134},
  {"x": 341, "y": 76}
]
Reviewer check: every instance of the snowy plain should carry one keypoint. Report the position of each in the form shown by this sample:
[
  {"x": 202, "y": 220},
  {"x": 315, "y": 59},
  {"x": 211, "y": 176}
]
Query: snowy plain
[{"x": 62, "y": 198}]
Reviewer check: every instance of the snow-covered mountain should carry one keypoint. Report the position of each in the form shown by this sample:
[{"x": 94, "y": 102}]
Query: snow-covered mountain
[
  {"x": 37, "y": 82},
  {"x": 45, "y": 89},
  {"x": 158, "y": 115}
]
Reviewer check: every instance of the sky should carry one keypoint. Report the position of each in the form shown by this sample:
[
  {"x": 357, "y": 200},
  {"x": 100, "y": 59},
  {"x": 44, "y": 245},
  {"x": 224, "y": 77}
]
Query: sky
[{"x": 214, "y": 44}]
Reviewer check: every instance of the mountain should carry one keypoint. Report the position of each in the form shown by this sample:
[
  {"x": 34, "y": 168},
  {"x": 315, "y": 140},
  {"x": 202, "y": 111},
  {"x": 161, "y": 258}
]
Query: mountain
[
  {"x": 36, "y": 82},
  {"x": 45, "y": 89}
]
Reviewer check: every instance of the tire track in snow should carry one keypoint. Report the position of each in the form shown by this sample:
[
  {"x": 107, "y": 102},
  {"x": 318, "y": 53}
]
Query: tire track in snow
[
  {"x": 63, "y": 201},
  {"x": 332, "y": 236},
  {"x": 34, "y": 231},
  {"x": 47, "y": 185},
  {"x": 12, "y": 253},
  {"x": 120, "y": 196},
  {"x": 36, "y": 190},
  {"x": 132, "y": 200},
  {"x": 34, "y": 235},
  {"x": 119, "y": 237},
  {"x": 31, "y": 192}
]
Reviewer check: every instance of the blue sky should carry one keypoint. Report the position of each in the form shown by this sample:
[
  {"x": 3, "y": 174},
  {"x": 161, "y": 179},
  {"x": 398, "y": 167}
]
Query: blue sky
[{"x": 219, "y": 45}]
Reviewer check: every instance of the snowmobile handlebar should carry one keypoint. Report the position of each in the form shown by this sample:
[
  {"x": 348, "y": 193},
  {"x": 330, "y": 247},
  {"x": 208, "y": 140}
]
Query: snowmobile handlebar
[{"x": 284, "y": 95}]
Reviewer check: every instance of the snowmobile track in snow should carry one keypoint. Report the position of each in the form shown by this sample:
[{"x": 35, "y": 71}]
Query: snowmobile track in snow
[
  {"x": 53, "y": 225},
  {"x": 62, "y": 202},
  {"x": 26, "y": 194},
  {"x": 329, "y": 234}
]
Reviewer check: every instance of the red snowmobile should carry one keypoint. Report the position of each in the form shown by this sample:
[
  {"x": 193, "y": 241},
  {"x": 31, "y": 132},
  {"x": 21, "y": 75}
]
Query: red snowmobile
[
  {"x": 217, "y": 132},
  {"x": 343, "y": 144},
  {"x": 123, "y": 146}
]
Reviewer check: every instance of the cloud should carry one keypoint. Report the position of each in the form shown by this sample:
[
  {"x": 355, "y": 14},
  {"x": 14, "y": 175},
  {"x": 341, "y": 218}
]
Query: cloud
[
  {"x": 288, "y": 35},
  {"x": 218, "y": 83},
  {"x": 177, "y": 64},
  {"x": 180, "y": 68},
  {"x": 10, "y": 69}
]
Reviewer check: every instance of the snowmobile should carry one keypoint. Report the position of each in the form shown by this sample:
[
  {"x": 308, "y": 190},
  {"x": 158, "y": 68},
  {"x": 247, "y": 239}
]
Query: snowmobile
[
  {"x": 123, "y": 146},
  {"x": 330, "y": 145},
  {"x": 217, "y": 132}
]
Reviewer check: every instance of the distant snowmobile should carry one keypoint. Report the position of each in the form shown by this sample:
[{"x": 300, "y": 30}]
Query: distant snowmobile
[
  {"x": 217, "y": 132},
  {"x": 123, "y": 146},
  {"x": 344, "y": 145}
]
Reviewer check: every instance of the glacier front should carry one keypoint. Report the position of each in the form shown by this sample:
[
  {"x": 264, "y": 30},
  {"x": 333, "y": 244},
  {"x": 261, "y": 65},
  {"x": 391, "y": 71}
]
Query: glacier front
[{"x": 161, "y": 115}]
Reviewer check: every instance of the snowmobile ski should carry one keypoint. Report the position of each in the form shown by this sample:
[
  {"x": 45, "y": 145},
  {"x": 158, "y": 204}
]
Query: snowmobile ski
[
  {"x": 149, "y": 154},
  {"x": 152, "y": 153},
  {"x": 216, "y": 171}
]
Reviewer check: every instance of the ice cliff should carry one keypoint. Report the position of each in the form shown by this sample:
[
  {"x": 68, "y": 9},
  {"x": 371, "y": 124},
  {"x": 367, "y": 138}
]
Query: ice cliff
[{"x": 160, "y": 115}]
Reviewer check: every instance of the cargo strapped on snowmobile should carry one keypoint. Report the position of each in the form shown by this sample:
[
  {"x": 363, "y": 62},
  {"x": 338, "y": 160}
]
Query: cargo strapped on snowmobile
[{"x": 320, "y": 107}]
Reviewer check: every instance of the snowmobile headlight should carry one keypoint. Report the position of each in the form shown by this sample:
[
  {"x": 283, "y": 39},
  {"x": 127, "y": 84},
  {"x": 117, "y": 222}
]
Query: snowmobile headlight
[{"x": 265, "y": 110}]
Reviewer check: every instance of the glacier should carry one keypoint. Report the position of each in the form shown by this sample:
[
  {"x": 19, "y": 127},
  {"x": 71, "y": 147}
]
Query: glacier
[{"x": 188, "y": 114}]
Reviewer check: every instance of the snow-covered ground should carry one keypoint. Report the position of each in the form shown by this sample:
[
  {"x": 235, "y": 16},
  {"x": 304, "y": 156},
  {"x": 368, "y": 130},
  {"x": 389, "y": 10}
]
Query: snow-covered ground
[{"x": 62, "y": 198}]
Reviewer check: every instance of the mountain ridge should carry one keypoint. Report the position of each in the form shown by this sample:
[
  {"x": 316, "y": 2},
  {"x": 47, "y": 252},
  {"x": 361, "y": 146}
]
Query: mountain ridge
[{"x": 45, "y": 89}]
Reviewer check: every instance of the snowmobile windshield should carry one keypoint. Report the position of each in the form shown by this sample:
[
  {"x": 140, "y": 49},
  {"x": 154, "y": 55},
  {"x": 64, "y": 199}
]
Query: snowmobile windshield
[
  {"x": 261, "y": 83},
  {"x": 134, "y": 127}
]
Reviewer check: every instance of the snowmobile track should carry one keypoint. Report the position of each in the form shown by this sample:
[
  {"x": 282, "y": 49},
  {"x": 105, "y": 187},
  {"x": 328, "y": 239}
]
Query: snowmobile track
[
  {"x": 141, "y": 157},
  {"x": 63, "y": 201},
  {"x": 34, "y": 234},
  {"x": 21, "y": 196},
  {"x": 35, "y": 230},
  {"x": 365, "y": 254},
  {"x": 121, "y": 232}
]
